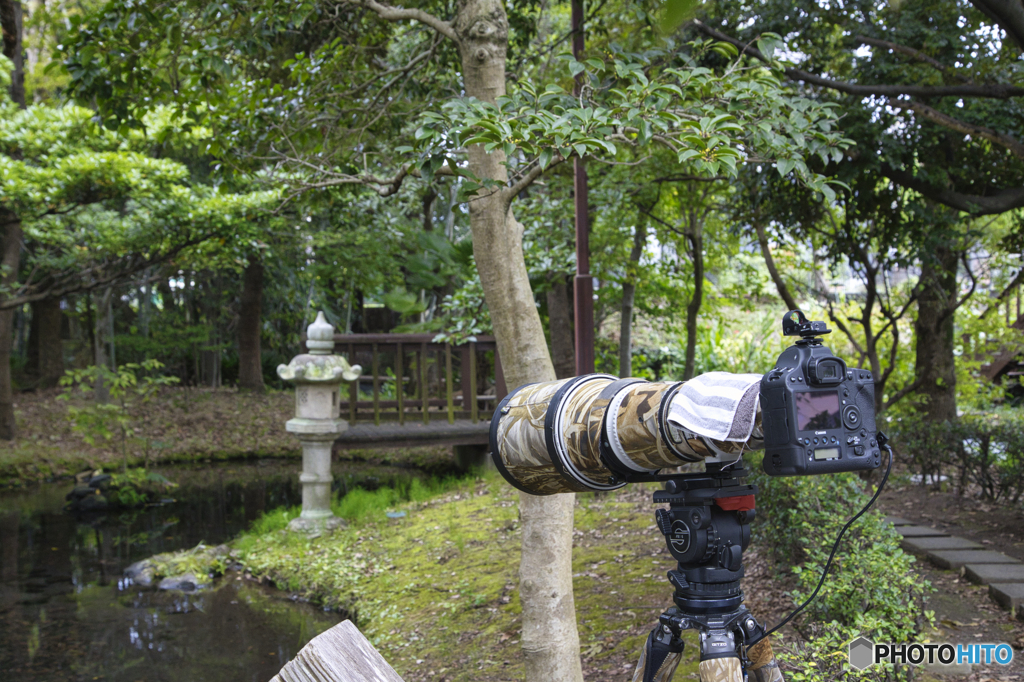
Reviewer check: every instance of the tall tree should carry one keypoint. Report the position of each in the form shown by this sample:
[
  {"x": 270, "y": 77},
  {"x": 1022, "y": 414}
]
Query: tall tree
[
  {"x": 935, "y": 362},
  {"x": 629, "y": 298},
  {"x": 12, "y": 24},
  {"x": 930, "y": 89},
  {"x": 250, "y": 328},
  {"x": 45, "y": 361},
  {"x": 329, "y": 134}
]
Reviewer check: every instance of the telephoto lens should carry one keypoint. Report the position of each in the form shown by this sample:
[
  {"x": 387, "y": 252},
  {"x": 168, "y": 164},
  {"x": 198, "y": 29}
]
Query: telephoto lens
[{"x": 595, "y": 432}]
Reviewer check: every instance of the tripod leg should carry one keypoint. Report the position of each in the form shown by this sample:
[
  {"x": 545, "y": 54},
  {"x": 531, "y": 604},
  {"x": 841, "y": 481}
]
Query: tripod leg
[
  {"x": 763, "y": 667},
  {"x": 721, "y": 670},
  {"x": 660, "y": 657}
]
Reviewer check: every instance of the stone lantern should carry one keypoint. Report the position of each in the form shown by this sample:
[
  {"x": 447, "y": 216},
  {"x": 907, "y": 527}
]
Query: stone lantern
[{"x": 318, "y": 376}]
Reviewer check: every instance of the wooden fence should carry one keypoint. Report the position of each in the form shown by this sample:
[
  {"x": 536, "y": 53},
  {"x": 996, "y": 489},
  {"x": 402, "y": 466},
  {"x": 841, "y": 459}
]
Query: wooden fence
[{"x": 409, "y": 377}]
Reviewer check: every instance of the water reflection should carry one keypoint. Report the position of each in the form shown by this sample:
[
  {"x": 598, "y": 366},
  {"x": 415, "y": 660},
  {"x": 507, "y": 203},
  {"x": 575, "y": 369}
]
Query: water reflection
[{"x": 65, "y": 614}]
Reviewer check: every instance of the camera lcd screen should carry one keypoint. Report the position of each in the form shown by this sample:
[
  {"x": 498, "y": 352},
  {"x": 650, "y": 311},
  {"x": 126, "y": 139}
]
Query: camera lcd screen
[{"x": 817, "y": 410}]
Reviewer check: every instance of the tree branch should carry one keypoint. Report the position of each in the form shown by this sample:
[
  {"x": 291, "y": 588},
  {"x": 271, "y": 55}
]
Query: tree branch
[
  {"x": 1012, "y": 286},
  {"x": 1000, "y": 202},
  {"x": 510, "y": 193},
  {"x": 769, "y": 261},
  {"x": 994, "y": 91},
  {"x": 935, "y": 116},
  {"x": 903, "y": 392},
  {"x": 390, "y": 13},
  {"x": 93, "y": 277},
  {"x": 913, "y": 54},
  {"x": 1009, "y": 14}
]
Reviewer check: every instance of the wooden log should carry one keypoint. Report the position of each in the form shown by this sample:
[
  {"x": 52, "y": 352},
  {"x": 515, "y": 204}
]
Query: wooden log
[{"x": 342, "y": 654}]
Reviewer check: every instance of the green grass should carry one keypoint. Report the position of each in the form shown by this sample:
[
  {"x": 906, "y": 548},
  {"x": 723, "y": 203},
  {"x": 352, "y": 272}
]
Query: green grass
[
  {"x": 360, "y": 505},
  {"x": 437, "y": 590}
]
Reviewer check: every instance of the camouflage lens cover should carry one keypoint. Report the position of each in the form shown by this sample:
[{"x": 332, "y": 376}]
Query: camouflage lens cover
[
  {"x": 577, "y": 433},
  {"x": 518, "y": 446},
  {"x": 638, "y": 429}
]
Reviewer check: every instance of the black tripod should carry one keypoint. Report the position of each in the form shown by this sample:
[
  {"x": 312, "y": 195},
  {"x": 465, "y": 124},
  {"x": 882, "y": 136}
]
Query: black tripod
[{"x": 707, "y": 526}]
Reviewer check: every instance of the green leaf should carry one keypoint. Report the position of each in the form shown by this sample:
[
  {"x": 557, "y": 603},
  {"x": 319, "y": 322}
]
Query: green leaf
[{"x": 675, "y": 12}]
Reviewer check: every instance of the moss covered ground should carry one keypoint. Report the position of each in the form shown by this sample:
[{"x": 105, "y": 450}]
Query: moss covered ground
[
  {"x": 180, "y": 425},
  {"x": 437, "y": 590}
]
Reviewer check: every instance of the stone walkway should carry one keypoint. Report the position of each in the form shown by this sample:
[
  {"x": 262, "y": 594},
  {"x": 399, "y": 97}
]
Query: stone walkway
[{"x": 1003, "y": 575}]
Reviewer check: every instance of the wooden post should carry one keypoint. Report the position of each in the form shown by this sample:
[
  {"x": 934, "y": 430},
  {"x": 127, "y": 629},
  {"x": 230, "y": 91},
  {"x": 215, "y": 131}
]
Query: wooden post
[
  {"x": 376, "y": 387},
  {"x": 341, "y": 654},
  {"x": 474, "y": 409},
  {"x": 448, "y": 382},
  {"x": 353, "y": 388},
  {"x": 425, "y": 394},
  {"x": 464, "y": 375},
  {"x": 399, "y": 385}
]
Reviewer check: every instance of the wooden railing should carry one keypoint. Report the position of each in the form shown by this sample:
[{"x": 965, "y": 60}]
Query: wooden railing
[
  {"x": 1000, "y": 359},
  {"x": 408, "y": 377}
]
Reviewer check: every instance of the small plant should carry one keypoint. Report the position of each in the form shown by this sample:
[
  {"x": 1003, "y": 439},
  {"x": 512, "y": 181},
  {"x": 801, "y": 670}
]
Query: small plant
[
  {"x": 102, "y": 421},
  {"x": 872, "y": 589}
]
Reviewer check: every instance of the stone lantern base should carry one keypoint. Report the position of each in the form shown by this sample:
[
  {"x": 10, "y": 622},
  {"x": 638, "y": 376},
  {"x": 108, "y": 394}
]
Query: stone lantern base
[
  {"x": 315, "y": 526},
  {"x": 316, "y": 436}
]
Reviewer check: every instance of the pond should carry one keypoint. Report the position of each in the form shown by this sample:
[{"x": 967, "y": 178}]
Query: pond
[{"x": 65, "y": 613}]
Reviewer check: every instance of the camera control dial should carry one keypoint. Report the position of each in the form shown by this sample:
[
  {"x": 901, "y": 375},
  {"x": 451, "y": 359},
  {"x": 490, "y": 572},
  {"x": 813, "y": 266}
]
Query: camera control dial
[{"x": 851, "y": 417}]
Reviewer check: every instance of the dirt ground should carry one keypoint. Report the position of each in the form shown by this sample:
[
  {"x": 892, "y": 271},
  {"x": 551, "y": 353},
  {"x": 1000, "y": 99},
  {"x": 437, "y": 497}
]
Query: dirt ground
[{"x": 964, "y": 612}]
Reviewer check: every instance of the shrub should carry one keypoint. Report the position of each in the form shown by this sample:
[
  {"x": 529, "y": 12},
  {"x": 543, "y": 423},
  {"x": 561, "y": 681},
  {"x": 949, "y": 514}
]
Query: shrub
[
  {"x": 984, "y": 452},
  {"x": 872, "y": 589}
]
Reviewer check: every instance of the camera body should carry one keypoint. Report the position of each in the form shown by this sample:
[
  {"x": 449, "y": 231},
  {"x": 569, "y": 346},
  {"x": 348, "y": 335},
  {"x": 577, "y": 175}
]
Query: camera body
[{"x": 818, "y": 415}]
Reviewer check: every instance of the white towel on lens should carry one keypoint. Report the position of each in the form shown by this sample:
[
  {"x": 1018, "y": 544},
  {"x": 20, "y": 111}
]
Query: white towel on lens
[{"x": 717, "y": 405}]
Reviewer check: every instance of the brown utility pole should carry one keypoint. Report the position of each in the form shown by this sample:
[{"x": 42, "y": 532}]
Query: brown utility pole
[{"x": 584, "y": 283}]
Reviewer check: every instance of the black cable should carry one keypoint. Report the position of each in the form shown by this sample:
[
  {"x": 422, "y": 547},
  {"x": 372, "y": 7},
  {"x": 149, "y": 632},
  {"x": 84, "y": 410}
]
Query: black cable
[{"x": 835, "y": 547}]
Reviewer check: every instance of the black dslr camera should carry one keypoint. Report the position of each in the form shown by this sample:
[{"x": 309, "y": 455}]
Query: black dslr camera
[{"x": 818, "y": 415}]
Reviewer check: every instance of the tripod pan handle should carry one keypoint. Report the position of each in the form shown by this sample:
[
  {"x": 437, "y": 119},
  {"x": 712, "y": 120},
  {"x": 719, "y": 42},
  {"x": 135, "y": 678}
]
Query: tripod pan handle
[{"x": 660, "y": 657}]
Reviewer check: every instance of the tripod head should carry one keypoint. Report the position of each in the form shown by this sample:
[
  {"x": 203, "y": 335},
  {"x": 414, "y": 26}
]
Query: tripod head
[{"x": 707, "y": 527}]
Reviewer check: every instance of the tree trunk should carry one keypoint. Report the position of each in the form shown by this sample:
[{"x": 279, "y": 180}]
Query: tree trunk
[
  {"x": 167, "y": 301},
  {"x": 693, "y": 308},
  {"x": 145, "y": 303},
  {"x": 250, "y": 325},
  {"x": 935, "y": 364},
  {"x": 563, "y": 354},
  {"x": 11, "y": 26},
  {"x": 11, "y": 29},
  {"x": 769, "y": 261},
  {"x": 10, "y": 261},
  {"x": 549, "y": 637},
  {"x": 45, "y": 350},
  {"x": 101, "y": 304},
  {"x": 628, "y": 296}
]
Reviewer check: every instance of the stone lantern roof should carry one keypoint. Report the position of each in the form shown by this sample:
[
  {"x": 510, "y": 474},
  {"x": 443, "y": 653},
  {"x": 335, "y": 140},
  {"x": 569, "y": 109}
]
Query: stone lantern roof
[{"x": 319, "y": 365}]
